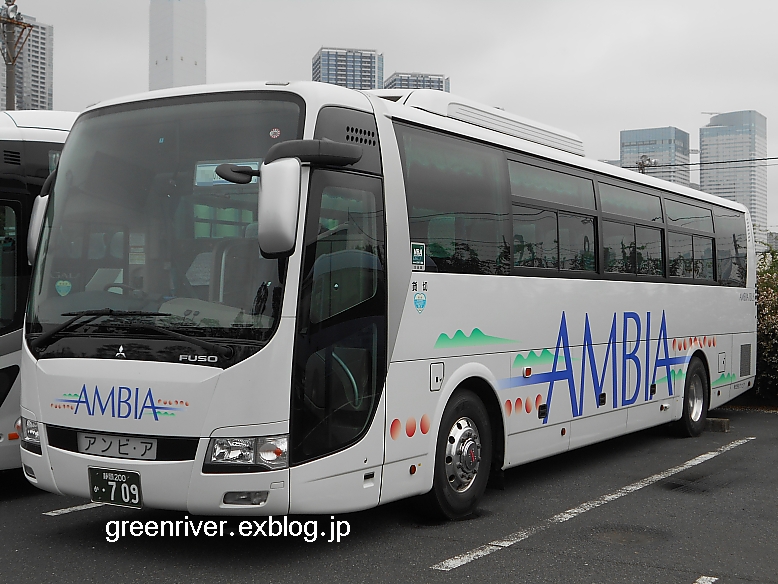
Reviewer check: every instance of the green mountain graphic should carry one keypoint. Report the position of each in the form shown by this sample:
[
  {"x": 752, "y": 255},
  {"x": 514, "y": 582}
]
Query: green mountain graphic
[
  {"x": 679, "y": 375},
  {"x": 475, "y": 339},
  {"x": 725, "y": 379},
  {"x": 534, "y": 359}
]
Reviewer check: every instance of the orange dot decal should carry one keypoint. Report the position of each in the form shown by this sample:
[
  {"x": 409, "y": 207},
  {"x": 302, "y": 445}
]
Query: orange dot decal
[
  {"x": 410, "y": 427},
  {"x": 528, "y": 405},
  {"x": 538, "y": 401},
  {"x": 394, "y": 429},
  {"x": 508, "y": 407},
  {"x": 518, "y": 405},
  {"x": 684, "y": 344},
  {"x": 424, "y": 424},
  {"x": 704, "y": 341},
  {"x": 186, "y": 404},
  {"x": 674, "y": 344},
  {"x": 714, "y": 341}
]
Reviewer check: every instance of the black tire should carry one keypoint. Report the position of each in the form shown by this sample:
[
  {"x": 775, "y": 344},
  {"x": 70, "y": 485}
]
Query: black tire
[
  {"x": 456, "y": 490},
  {"x": 696, "y": 399}
]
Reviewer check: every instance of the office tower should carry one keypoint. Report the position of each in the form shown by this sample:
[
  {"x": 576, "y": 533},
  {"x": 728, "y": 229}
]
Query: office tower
[
  {"x": 737, "y": 136},
  {"x": 176, "y": 43},
  {"x": 666, "y": 149},
  {"x": 418, "y": 81},
  {"x": 34, "y": 69},
  {"x": 352, "y": 68}
]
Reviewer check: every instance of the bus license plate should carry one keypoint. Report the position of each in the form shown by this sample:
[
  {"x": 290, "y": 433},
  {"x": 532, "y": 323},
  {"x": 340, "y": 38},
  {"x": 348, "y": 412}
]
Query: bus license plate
[
  {"x": 115, "y": 487},
  {"x": 117, "y": 446}
]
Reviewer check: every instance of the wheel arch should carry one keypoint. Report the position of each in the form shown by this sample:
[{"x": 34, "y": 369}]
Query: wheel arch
[
  {"x": 704, "y": 359},
  {"x": 488, "y": 396}
]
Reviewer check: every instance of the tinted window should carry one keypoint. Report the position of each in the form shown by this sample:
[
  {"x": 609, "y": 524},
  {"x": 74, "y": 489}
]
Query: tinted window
[
  {"x": 688, "y": 216},
  {"x": 630, "y": 203},
  {"x": 648, "y": 251},
  {"x": 8, "y": 267},
  {"x": 550, "y": 186},
  {"x": 681, "y": 255},
  {"x": 703, "y": 258},
  {"x": 577, "y": 248},
  {"x": 619, "y": 247},
  {"x": 731, "y": 247},
  {"x": 534, "y": 238},
  {"x": 457, "y": 202}
]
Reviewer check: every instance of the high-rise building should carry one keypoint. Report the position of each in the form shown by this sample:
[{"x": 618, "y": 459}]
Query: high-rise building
[
  {"x": 667, "y": 150},
  {"x": 737, "y": 136},
  {"x": 176, "y": 43},
  {"x": 352, "y": 68},
  {"x": 34, "y": 69},
  {"x": 418, "y": 81}
]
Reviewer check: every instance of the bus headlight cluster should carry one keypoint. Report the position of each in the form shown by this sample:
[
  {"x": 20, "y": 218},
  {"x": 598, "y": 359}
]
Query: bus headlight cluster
[
  {"x": 264, "y": 452},
  {"x": 29, "y": 431}
]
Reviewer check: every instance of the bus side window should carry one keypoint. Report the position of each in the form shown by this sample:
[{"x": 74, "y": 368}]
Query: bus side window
[
  {"x": 8, "y": 266},
  {"x": 456, "y": 192},
  {"x": 731, "y": 246}
]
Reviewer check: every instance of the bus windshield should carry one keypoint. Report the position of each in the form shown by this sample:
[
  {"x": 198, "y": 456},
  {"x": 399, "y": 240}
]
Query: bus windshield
[{"x": 138, "y": 221}]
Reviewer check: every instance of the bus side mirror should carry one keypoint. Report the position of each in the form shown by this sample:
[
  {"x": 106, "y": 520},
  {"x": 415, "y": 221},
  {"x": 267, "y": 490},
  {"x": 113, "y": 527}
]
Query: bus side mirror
[
  {"x": 279, "y": 203},
  {"x": 37, "y": 216}
]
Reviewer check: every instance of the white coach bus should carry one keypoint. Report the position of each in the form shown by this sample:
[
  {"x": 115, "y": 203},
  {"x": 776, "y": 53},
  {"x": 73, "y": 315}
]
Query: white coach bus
[
  {"x": 31, "y": 142},
  {"x": 298, "y": 298}
]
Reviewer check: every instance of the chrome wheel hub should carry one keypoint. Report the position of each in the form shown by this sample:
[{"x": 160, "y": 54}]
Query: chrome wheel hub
[
  {"x": 463, "y": 454},
  {"x": 696, "y": 398}
]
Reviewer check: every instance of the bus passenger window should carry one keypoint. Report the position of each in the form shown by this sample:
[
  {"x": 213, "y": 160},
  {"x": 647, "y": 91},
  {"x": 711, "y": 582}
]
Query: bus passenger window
[
  {"x": 550, "y": 186},
  {"x": 731, "y": 245},
  {"x": 630, "y": 203},
  {"x": 534, "y": 238},
  {"x": 649, "y": 252},
  {"x": 688, "y": 216},
  {"x": 457, "y": 201},
  {"x": 703, "y": 258},
  {"x": 577, "y": 243},
  {"x": 8, "y": 241},
  {"x": 619, "y": 243},
  {"x": 681, "y": 255}
]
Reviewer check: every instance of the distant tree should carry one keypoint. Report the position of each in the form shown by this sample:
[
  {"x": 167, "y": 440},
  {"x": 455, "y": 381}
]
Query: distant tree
[{"x": 767, "y": 323}]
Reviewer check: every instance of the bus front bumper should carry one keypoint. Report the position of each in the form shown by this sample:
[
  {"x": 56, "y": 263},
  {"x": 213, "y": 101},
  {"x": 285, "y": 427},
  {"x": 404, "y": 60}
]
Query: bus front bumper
[{"x": 173, "y": 485}]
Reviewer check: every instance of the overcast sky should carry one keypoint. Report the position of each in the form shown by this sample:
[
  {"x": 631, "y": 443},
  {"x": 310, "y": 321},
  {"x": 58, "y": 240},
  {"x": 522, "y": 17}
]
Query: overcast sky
[{"x": 592, "y": 67}]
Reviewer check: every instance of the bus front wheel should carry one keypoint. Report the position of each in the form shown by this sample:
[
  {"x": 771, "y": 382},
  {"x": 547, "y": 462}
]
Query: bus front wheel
[
  {"x": 695, "y": 400},
  {"x": 463, "y": 455}
]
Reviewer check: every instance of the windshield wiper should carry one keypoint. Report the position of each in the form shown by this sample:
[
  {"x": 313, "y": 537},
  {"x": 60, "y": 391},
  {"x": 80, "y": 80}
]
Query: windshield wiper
[
  {"x": 94, "y": 314},
  {"x": 225, "y": 352}
]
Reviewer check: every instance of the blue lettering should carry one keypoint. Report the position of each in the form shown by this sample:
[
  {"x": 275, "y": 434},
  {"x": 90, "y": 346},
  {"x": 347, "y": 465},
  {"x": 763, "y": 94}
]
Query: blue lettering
[
  {"x": 148, "y": 402},
  {"x": 125, "y": 402},
  {"x": 83, "y": 398},
  {"x": 563, "y": 375},
  {"x": 597, "y": 380},
  {"x": 666, "y": 361},
  {"x": 98, "y": 403},
  {"x": 631, "y": 356},
  {"x": 648, "y": 396}
]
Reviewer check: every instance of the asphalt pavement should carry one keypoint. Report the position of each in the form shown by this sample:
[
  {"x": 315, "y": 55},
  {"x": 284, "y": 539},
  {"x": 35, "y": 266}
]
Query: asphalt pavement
[{"x": 646, "y": 507}]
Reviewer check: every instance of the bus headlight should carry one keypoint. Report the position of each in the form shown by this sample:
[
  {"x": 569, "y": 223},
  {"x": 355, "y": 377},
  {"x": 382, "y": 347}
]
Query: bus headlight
[
  {"x": 29, "y": 431},
  {"x": 253, "y": 454}
]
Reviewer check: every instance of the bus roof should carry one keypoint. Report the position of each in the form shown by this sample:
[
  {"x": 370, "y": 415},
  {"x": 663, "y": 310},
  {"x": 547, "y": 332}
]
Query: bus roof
[
  {"x": 448, "y": 112},
  {"x": 41, "y": 119}
]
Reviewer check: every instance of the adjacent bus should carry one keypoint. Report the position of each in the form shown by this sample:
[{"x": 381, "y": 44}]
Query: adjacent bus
[
  {"x": 31, "y": 142},
  {"x": 282, "y": 298}
]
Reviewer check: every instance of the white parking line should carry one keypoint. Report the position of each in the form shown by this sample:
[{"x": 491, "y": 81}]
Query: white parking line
[
  {"x": 513, "y": 538},
  {"x": 72, "y": 509},
  {"x": 705, "y": 580}
]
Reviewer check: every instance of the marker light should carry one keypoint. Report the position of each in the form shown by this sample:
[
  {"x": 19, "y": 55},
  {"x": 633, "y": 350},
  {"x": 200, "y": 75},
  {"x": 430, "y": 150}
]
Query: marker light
[
  {"x": 273, "y": 451},
  {"x": 246, "y": 498}
]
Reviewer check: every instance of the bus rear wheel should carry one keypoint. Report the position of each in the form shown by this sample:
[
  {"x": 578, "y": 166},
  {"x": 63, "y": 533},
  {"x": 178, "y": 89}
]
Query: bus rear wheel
[
  {"x": 695, "y": 400},
  {"x": 463, "y": 455}
]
